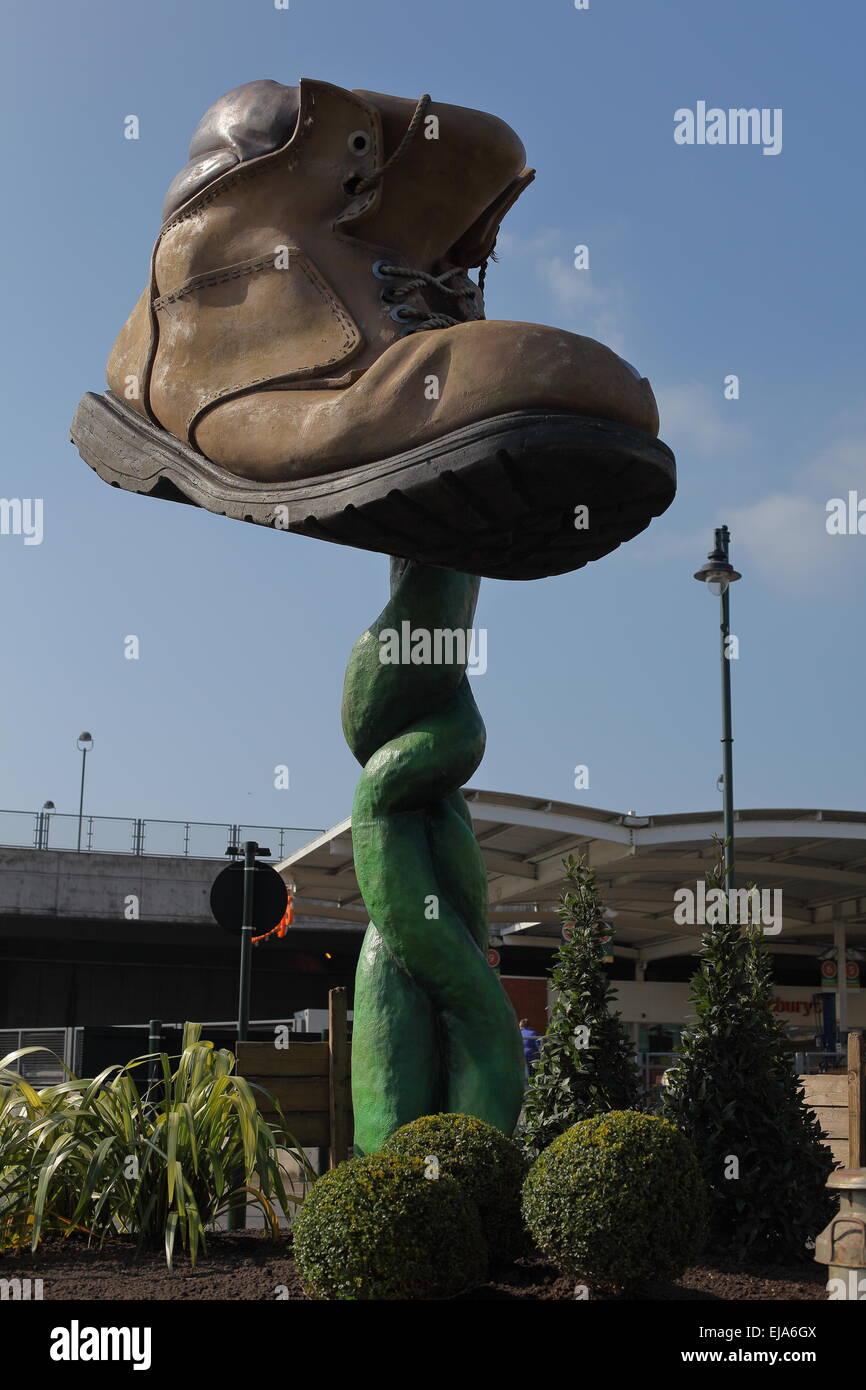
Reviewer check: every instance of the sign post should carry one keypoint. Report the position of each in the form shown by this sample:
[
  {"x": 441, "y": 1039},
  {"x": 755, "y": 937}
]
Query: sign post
[
  {"x": 255, "y": 893},
  {"x": 250, "y": 849},
  {"x": 250, "y": 897}
]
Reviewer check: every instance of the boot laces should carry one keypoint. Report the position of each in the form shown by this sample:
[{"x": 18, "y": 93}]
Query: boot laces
[{"x": 416, "y": 320}]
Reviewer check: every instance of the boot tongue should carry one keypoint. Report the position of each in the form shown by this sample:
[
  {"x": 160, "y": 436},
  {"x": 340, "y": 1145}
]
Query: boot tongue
[{"x": 443, "y": 190}]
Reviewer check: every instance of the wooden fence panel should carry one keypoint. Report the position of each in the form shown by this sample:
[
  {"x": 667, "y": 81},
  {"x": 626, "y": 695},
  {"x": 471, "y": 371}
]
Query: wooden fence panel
[
  {"x": 305, "y": 1093},
  {"x": 298, "y": 1059},
  {"x": 837, "y": 1099},
  {"x": 833, "y": 1119},
  {"x": 310, "y": 1130},
  {"x": 311, "y": 1082},
  {"x": 826, "y": 1090}
]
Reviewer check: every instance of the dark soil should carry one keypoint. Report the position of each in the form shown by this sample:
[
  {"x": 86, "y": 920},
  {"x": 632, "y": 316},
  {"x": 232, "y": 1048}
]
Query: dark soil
[
  {"x": 247, "y": 1266},
  {"x": 711, "y": 1282}
]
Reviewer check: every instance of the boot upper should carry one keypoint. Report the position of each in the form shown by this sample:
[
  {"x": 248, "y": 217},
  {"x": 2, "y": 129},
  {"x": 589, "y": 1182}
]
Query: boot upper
[
  {"x": 262, "y": 269},
  {"x": 312, "y": 233}
]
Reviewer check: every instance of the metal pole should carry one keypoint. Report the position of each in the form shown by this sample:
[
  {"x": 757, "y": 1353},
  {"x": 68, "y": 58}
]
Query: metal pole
[
  {"x": 238, "y": 1215},
  {"x": 722, "y": 542},
  {"x": 154, "y": 1044},
  {"x": 81, "y": 797},
  {"x": 250, "y": 848},
  {"x": 840, "y": 941}
]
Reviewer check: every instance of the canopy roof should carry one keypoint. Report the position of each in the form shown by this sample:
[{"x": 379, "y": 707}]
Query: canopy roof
[{"x": 817, "y": 859}]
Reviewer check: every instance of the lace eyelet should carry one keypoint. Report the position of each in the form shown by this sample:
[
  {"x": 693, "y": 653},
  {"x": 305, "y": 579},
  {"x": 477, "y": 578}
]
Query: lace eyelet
[
  {"x": 352, "y": 183},
  {"x": 358, "y": 142},
  {"x": 391, "y": 294},
  {"x": 402, "y": 314},
  {"x": 379, "y": 271}
]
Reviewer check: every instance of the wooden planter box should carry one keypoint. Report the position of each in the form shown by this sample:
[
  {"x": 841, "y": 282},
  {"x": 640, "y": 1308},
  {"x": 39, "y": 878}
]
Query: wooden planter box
[
  {"x": 837, "y": 1099},
  {"x": 311, "y": 1083}
]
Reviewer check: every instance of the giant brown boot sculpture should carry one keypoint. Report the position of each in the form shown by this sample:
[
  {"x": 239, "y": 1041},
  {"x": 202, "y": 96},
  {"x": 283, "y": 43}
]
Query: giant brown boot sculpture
[{"x": 310, "y": 352}]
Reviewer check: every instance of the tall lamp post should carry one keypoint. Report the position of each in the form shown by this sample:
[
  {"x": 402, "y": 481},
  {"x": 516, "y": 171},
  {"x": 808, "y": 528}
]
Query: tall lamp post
[
  {"x": 85, "y": 743},
  {"x": 719, "y": 574}
]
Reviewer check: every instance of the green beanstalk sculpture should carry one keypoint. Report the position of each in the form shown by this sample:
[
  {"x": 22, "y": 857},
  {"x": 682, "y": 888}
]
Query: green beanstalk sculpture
[{"x": 433, "y": 1028}]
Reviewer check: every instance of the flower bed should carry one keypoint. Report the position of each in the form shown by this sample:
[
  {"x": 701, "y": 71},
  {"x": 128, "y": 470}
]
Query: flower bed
[{"x": 251, "y": 1267}]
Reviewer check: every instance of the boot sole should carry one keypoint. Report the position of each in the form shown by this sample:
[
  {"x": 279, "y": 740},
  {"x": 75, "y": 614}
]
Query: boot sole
[{"x": 496, "y": 498}]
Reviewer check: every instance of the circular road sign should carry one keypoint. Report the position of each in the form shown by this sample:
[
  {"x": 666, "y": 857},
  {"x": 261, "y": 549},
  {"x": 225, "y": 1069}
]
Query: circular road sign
[{"x": 270, "y": 897}]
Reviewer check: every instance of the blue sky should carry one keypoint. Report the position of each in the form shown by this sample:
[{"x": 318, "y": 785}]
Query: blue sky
[{"x": 705, "y": 261}]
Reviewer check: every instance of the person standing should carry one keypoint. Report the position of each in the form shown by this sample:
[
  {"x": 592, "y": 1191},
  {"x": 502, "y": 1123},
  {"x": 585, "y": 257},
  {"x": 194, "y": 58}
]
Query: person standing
[{"x": 531, "y": 1043}]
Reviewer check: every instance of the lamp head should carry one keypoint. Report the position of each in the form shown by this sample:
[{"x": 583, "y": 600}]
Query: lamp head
[{"x": 718, "y": 572}]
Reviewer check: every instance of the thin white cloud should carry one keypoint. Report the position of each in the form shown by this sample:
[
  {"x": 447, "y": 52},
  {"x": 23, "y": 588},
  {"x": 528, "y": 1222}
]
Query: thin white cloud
[
  {"x": 582, "y": 303},
  {"x": 786, "y": 534},
  {"x": 842, "y": 465},
  {"x": 596, "y": 311},
  {"x": 544, "y": 240},
  {"x": 696, "y": 420},
  {"x": 784, "y": 539}
]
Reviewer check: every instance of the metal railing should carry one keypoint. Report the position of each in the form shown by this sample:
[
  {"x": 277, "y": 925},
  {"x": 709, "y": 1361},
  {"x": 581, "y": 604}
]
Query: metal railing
[
  {"x": 815, "y": 1063},
  {"x": 144, "y": 835},
  {"x": 39, "y": 1068},
  {"x": 655, "y": 1064}
]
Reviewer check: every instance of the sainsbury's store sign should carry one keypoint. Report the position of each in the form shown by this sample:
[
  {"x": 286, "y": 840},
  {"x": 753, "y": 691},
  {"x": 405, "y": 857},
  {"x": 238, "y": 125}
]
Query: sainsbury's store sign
[{"x": 806, "y": 1008}]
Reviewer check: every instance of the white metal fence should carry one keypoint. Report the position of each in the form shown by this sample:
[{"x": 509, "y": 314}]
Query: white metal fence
[{"x": 144, "y": 835}]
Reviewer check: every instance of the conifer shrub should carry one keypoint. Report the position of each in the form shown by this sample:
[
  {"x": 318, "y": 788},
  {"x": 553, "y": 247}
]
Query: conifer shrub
[
  {"x": 734, "y": 1092},
  {"x": 587, "y": 1064}
]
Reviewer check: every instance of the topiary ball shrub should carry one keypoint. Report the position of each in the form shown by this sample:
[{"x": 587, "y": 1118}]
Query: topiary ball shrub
[
  {"x": 377, "y": 1228},
  {"x": 489, "y": 1167},
  {"x": 617, "y": 1199}
]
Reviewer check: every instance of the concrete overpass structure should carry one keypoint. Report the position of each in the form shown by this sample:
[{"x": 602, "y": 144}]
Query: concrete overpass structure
[
  {"x": 101, "y": 938},
  {"x": 98, "y": 937}
]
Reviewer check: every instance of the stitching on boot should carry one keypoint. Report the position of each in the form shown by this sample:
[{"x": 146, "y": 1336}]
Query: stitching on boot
[
  {"x": 211, "y": 194},
  {"x": 219, "y": 277},
  {"x": 352, "y": 340}
]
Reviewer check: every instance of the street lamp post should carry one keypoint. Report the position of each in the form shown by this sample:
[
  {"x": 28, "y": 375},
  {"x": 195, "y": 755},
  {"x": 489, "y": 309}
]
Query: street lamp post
[
  {"x": 719, "y": 574},
  {"x": 85, "y": 743}
]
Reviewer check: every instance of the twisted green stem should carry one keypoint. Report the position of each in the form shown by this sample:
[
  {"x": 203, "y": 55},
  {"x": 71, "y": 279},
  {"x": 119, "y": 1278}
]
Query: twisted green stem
[{"x": 433, "y": 1028}]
